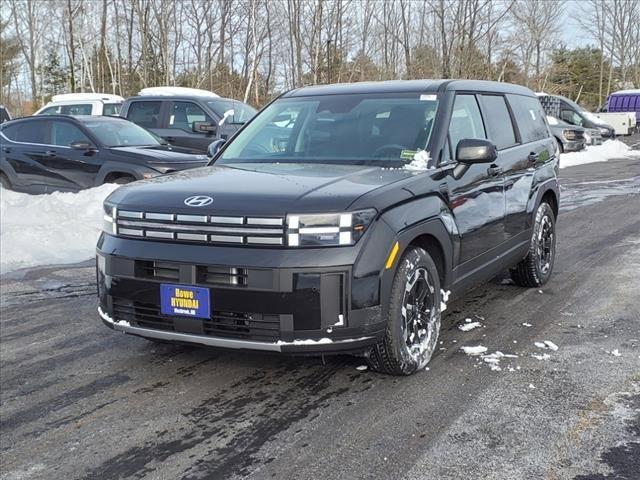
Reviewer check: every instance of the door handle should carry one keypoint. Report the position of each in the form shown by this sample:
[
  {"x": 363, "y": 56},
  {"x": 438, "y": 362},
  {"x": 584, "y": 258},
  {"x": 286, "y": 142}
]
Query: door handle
[
  {"x": 533, "y": 157},
  {"x": 6, "y": 150},
  {"x": 50, "y": 153},
  {"x": 170, "y": 139},
  {"x": 494, "y": 170}
]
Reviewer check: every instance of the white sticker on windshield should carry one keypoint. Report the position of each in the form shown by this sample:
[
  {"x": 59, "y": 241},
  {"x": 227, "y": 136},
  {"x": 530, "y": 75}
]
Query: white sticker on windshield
[
  {"x": 533, "y": 114},
  {"x": 427, "y": 98}
]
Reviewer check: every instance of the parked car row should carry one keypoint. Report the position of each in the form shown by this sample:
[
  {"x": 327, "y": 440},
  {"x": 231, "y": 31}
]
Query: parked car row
[{"x": 79, "y": 140}]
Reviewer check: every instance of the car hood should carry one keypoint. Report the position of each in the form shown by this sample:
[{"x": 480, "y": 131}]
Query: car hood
[
  {"x": 270, "y": 189},
  {"x": 163, "y": 154}
]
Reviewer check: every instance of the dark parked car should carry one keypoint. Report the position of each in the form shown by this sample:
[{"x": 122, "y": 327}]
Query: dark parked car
[
  {"x": 58, "y": 152},
  {"x": 188, "y": 121},
  {"x": 568, "y": 137},
  {"x": 570, "y": 112},
  {"x": 338, "y": 220}
]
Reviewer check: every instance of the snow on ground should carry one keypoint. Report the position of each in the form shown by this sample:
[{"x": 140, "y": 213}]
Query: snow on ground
[
  {"x": 49, "y": 229},
  {"x": 598, "y": 153}
]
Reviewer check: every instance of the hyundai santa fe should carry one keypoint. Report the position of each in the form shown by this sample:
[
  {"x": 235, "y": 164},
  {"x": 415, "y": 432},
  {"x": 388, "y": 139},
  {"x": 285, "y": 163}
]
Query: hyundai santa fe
[{"x": 338, "y": 220}]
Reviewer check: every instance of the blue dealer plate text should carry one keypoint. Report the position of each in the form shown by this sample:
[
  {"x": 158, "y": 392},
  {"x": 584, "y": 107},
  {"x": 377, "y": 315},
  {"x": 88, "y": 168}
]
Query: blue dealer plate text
[{"x": 184, "y": 300}]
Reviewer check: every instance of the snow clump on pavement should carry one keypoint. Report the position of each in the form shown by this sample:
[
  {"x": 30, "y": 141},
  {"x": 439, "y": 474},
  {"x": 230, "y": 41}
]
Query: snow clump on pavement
[
  {"x": 598, "y": 153},
  {"x": 49, "y": 229},
  {"x": 465, "y": 327},
  {"x": 474, "y": 351}
]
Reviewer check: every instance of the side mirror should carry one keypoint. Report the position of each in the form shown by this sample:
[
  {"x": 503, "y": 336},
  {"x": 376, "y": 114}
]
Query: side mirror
[
  {"x": 214, "y": 147},
  {"x": 204, "y": 127},
  {"x": 475, "y": 150},
  {"x": 81, "y": 145}
]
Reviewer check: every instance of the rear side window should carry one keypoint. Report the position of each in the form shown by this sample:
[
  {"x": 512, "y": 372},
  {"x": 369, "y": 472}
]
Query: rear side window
[
  {"x": 529, "y": 117},
  {"x": 32, "y": 132},
  {"x": 498, "y": 121},
  {"x": 183, "y": 114},
  {"x": 466, "y": 121},
  {"x": 111, "y": 108},
  {"x": 145, "y": 114},
  {"x": 55, "y": 110},
  {"x": 65, "y": 133},
  {"x": 80, "y": 109},
  {"x": 10, "y": 131}
]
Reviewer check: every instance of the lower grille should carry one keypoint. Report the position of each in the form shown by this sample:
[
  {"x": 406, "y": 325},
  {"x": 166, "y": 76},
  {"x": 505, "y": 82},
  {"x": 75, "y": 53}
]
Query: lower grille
[{"x": 238, "y": 325}]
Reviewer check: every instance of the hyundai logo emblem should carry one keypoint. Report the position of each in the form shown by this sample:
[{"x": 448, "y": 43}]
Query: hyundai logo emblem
[{"x": 198, "y": 201}]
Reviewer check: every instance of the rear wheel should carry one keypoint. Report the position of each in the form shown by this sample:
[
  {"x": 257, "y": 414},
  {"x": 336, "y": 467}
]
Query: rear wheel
[
  {"x": 413, "y": 321},
  {"x": 4, "y": 181},
  {"x": 535, "y": 269}
]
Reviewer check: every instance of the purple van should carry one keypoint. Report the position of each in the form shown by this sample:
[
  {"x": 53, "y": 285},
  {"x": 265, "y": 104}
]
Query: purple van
[{"x": 625, "y": 101}]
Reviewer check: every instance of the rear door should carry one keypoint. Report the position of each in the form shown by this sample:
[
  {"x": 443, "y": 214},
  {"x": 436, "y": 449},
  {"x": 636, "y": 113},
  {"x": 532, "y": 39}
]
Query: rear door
[
  {"x": 25, "y": 151},
  {"x": 512, "y": 157},
  {"x": 179, "y": 129},
  {"x": 536, "y": 147},
  {"x": 149, "y": 114}
]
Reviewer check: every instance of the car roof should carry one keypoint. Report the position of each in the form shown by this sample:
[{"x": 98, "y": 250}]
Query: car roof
[
  {"x": 407, "y": 86},
  {"x": 182, "y": 97},
  {"x": 78, "y": 118}
]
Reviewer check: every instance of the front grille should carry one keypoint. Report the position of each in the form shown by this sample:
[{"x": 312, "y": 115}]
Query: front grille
[
  {"x": 237, "y": 325},
  {"x": 204, "y": 274},
  {"x": 201, "y": 228}
]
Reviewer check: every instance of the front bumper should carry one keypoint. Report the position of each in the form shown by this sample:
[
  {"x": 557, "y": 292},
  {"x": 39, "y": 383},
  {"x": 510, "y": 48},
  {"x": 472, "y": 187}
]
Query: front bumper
[
  {"x": 574, "y": 145},
  {"x": 276, "y": 304}
]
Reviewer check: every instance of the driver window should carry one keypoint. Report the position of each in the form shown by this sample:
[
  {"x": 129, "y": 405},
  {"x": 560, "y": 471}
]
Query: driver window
[
  {"x": 64, "y": 134},
  {"x": 184, "y": 114},
  {"x": 466, "y": 121}
]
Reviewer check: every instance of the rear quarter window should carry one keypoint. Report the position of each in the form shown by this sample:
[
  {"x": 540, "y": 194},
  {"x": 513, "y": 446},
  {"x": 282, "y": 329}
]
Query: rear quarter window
[
  {"x": 145, "y": 113},
  {"x": 31, "y": 132},
  {"x": 530, "y": 118}
]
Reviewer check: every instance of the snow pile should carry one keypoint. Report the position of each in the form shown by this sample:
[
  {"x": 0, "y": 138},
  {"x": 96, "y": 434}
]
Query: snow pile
[
  {"x": 598, "y": 153},
  {"x": 49, "y": 229},
  {"x": 546, "y": 344}
]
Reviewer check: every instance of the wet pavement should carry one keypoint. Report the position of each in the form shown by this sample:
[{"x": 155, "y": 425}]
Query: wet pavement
[{"x": 79, "y": 401}]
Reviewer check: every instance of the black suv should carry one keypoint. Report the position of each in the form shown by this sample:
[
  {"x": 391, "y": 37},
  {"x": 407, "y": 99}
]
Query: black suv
[
  {"x": 188, "y": 121},
  {"x": 43, "y": 154},
  {"x": 339, "y": 219}
]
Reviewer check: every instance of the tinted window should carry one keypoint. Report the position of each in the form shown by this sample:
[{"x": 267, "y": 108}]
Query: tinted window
[
  {"x": 32, "y": 132},
  {"x": 364, "y": 129},
  {"x": 530, "y": 118},
  {"x": 466, "y": 121},
  {"x": 55, "y": 110},
  {"x": 183, "y": 114},
  {"x": 145, "y": 114},
  {"x": 498, "y": 120},
  {"x": 65, "y": 133},
  {"x": 81, "y": 109},
  {"x": 10, "y": 132},
  {"x": 111, "y": 108}
]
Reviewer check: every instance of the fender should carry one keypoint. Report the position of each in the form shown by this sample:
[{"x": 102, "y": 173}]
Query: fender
[
  {"x": 535, "y": 198},
  {"x": 424, "y": 216}
]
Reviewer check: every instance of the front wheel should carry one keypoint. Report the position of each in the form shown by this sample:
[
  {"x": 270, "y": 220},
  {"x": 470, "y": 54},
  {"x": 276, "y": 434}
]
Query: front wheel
[
  {"x": 535, "y": 269},
  {"x": 413, "y": 319}
]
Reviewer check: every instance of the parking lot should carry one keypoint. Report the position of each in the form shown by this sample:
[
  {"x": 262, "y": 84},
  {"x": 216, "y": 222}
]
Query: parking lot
[{"x": 82, "y": 401}]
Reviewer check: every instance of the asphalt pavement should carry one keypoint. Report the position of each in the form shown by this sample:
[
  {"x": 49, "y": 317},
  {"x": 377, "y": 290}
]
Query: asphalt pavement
[{"x": 78, "y": 400}]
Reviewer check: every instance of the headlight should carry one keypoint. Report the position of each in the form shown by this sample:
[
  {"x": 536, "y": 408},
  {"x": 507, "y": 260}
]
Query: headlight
[
  {"x": 109, "y": 224},
  {"x": 603, "y": 131},
  {"x": 327, "y": 229},
  {"x": 569, "y": 134}
]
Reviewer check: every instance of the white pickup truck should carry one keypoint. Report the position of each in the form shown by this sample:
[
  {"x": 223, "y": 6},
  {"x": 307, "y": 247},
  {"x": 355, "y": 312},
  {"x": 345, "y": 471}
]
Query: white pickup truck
[{"x": 624, "y": 123}]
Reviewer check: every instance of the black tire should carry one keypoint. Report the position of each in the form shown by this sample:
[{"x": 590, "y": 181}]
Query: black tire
[
  {"x": 536, "y": 268},
  {"x": 4, "y": 181},
  {"x": 122, "y": 180},
  {"x": 393, "y": 354}
]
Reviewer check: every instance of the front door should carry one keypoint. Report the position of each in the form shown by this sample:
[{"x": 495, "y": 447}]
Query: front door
[
  {"x": 476, "y": 197},
  {"x": 179, "y": 131}
]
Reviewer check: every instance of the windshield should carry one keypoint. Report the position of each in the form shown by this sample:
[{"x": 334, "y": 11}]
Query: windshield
[
  {"x": 121, "y": 133},
  {"x": 377, "y": 129},
  {"x": 232, "y": 112}
]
